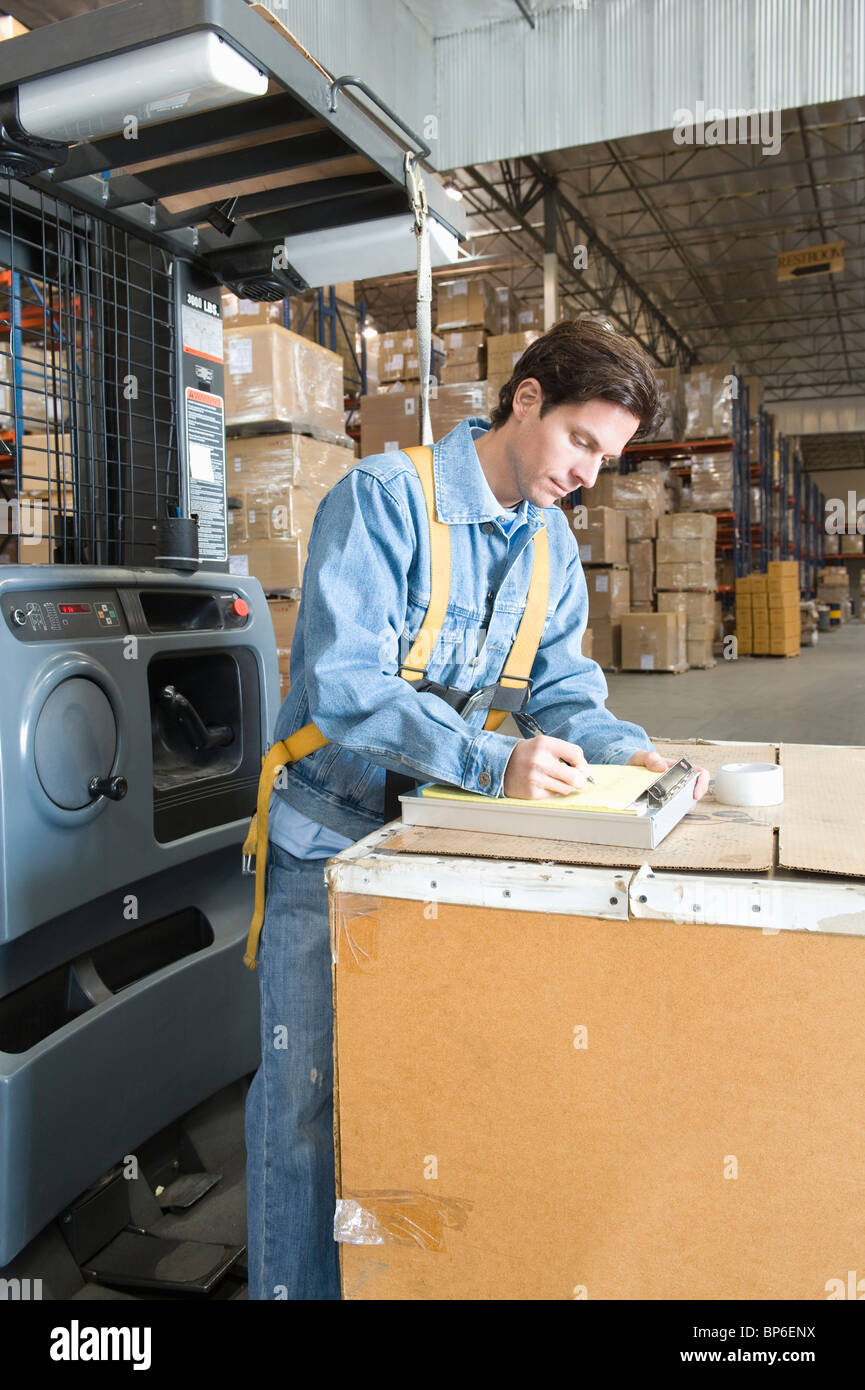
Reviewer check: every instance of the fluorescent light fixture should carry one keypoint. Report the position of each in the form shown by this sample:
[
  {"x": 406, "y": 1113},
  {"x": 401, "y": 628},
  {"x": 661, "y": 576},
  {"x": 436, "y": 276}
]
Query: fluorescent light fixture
[
  {"x": 176, "y": 77},
  {"x": 453, "y": 192},
  {"x": 370, "y": 332},
  {"x": 363, "y": 250}
]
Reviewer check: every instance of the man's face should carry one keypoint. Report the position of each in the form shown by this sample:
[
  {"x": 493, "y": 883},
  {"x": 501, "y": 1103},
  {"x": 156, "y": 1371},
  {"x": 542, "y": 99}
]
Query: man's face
[{"x": 563, "y": 450}]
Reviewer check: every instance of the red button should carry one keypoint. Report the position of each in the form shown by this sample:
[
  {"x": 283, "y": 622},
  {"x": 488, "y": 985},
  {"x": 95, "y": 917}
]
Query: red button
[{"x": 240, "y": 607}]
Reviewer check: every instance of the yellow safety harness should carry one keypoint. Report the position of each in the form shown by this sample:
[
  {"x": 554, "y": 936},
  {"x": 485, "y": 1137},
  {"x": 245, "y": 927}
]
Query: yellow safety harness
[{"x": 520, "y": 660}]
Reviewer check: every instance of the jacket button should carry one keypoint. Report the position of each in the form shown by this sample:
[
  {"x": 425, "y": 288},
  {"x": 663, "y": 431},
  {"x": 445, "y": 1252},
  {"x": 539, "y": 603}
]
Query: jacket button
[
  {"x": 487, "y": 528},
  {"x": 484, "y": 779}
]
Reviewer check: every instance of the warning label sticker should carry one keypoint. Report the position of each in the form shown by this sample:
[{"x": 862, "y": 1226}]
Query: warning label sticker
[{"x": 205, "y": 471}]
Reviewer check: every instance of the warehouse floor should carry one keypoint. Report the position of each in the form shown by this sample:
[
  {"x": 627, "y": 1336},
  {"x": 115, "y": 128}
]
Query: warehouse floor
[{"x": 817, "y": 697}]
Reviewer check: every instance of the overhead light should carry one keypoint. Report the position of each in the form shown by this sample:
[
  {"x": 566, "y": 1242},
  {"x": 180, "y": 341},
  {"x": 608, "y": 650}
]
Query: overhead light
[
  {"x": 363, "y": 250},
  {"x": 370, "y": 332},
  {"x": 452, "y": 191},
  {"x": 176, "y": 77}
]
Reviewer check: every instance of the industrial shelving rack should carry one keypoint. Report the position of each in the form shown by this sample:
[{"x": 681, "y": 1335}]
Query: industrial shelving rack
[{"x": 761, "y": 478}]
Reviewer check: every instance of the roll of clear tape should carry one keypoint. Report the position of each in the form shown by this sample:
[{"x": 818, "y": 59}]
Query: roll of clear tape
[{"x": 749, "y": 784}]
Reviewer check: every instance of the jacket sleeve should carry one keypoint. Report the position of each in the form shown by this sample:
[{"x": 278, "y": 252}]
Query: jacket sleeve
[
  {"x": 569, "y": 690},
  {"x": 355, "y": 592}
]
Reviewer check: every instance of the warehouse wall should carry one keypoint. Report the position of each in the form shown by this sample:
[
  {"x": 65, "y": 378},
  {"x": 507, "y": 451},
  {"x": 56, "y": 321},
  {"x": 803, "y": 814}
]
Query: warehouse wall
[
  {"x": 606, "y": 69},
  {"x": 833, "y": 416},
  {"x": 617, "y": 68}
]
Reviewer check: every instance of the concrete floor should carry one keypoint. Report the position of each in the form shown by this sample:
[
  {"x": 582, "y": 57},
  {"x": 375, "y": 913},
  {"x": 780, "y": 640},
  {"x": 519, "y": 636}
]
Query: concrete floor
[{"x": 816, "y": 697}]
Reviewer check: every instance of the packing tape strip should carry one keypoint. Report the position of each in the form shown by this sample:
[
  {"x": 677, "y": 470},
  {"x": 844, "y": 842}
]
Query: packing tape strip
[{"x": 749, "y": 784}]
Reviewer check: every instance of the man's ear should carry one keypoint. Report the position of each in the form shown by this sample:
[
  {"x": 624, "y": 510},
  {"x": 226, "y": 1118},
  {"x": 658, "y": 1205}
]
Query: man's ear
[{"x": 529, "y": 392}]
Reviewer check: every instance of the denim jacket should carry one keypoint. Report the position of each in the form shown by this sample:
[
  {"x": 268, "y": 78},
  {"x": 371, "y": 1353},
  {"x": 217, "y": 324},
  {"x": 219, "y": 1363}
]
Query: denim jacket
[{"x": 366, "y": 586}]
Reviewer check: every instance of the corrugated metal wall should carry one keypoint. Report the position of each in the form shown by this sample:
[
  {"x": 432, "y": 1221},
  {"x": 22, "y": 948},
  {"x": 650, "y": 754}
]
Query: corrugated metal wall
[
  {"x": 623, "y": 67},
  {"x": 616, "y": 68}
]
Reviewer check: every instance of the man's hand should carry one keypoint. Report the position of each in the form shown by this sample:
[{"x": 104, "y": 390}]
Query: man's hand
[
  {"x": 655, "y": 763},
  {"x": 544, "y": 766}
]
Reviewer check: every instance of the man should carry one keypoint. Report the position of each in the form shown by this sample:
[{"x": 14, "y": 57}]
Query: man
[{"x": 576, "y": 397}]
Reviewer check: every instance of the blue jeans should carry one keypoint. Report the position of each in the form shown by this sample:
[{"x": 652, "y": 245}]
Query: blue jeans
[{"x": 289, "y": 1107}]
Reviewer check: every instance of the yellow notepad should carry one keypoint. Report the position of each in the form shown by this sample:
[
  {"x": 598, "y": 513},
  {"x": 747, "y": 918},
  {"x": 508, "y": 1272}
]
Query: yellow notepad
[{"x": 616, "y": 789}]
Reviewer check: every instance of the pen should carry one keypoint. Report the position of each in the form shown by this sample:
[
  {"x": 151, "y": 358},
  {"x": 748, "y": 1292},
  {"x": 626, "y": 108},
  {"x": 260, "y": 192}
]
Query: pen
[{"x": 534, "y": 727}]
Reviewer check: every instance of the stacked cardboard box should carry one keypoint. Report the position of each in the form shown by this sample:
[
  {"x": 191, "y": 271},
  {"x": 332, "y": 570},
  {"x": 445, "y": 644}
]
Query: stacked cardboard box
[
  {"x": 785, "y": 616},
  {"x": 48, "y": 387},
  {"x": 283, "y": 614},
  {"x": 391, "y": 419},
  {"x": 641, "y": 563},
  {"x": 833, "y": 587},
  {"x": 654, "y": 642},
  {"x": 398, "y": 358},
  {"x": 465, "y": 355},
  {"x": 712, "y": 483},
  {"x": 508, "y": 305},
  {"x": 609, "y": 592},
  {"x": 700, "y": 622},
  {"x": 851, "y": 545},
  {"x": 279, "y": 481},
  {"x": 672, "y": 401},
  {"x": 601, "y": 535},
  {"x": 587, "y": 643},
  {"x": 686, "y": 551},
  {"x": 243, "y": 313},
  {"x": 640, "y": 496},
  {"x": 708, "y": 400},
  {"x": 529, "y": 316},
  {"x": 504, "y": 352},
  {"x": 275, "y": 376},
  {"x": 466, "y": 303}
]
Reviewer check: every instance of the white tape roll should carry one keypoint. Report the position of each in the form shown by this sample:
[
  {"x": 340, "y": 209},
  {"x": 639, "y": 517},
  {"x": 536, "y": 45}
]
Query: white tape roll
[{"x": 749, "y": 784}]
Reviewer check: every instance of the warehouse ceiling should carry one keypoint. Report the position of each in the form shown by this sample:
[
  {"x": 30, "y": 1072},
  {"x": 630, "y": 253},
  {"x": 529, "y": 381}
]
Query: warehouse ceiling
[{"x": 683, "y": 243}]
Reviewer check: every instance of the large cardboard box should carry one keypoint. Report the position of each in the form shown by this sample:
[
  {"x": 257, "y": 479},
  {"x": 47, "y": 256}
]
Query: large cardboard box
[
  {"x": 451, "y": 403},
  {"x": 275, "y": 562},
  {"x": 274, "y": 375},
  {"x": 464, "y": 303},
  {"x": 654, "y": 642},
  {"x": 603, "y": 539},
  {"x": 243, "y": 313},
  {"x": 641, "y": 496},
  {"x": 389, "y": 420},
  {"x": 609, "y": 595},
  {"x": 586, "y": 645},
  {"x": 463, "y": 371},
  {"x": 697, "y": 607},
  {"x": 47, "y": 463},
  {"x": 708, "y": 401},
  {"x": 851, "y": 545},
  {"x": 641, "y": 563},
  {"x": 672, "y": 402},
  {"x": 398, "y": 356},
  {"x": 283, "y": 614},
  {"x": 472, "y": 340},
  {"x": 607, "y": 643},
  {"x": 687, "y": 526},
  {"x": 694, "y": 574},
  {"x": 280, "y": 475},
  {"x": 712, "y": 483},
  {"x": 505, "y": 350}
]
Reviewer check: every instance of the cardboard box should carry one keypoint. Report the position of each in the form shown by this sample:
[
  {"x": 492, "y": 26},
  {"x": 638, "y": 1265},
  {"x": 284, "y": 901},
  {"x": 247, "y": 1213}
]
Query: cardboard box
[
  {"x": 712, "y": 483},
  {"x": 672, "y": 402},
  {"x": 44, "y": 458},
  {"x": 678, "y": 550},
  {"x": 698, "y": 652},
  {"x": 708, "y": 401},
  {"x": 603, "y": 539},
  {"x": 466, "y": 303},
  {"x": 463, "y": 372},
  {"x": 641, "y": 496},
  {"x": 697, "y": 607},
  {"x": 529, "y": 316},
  {"x": 851, "y": 545},
  {"x": 275, "y": 563},
  {"x": 283, "y": 614},
  {"x": 609, "y": 595},
  {"x": 398, "y": 357},
  {"x": 641, "y": 563},
  {"x": 783, "y": 569},
  {"x": 505, "y": 350},
  {"x": 274, "y": 375},
  {"x": 508, "y": 305},
  {"x": 654, "y": 642},
  {"x": 48, "y": 388},
  {"x": 388, "y": 421},
  {"x": 464, "y": 340},
  {"x": 586, "y": 646},
  {"x": 687, "y": 526},
  {"x": 243, "y": 313},
  {"x": 293, "y": 470},
  {"x": 607, "y": 643},
  {"x": 452, "y": 403},
  {"x": 466, "y": 356},
  {"x": 688, "y": 575}
]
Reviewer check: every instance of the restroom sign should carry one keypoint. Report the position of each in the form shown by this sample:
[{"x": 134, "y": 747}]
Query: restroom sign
[{"x": 811, "y": 260}]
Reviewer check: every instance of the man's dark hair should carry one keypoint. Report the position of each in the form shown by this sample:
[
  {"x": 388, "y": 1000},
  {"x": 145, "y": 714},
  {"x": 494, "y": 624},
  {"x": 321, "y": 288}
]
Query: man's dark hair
[{"x": 578, "y": 361}]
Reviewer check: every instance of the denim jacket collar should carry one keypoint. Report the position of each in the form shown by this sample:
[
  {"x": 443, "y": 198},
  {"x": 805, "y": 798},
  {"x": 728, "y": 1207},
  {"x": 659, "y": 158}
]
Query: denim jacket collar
[{"x": 462, "y": 491}]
